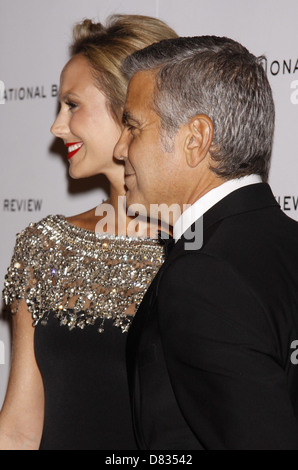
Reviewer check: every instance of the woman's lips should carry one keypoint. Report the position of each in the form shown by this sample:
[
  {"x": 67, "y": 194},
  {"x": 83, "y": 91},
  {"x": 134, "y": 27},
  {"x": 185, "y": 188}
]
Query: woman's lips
[{"x": 73, "y": 148}]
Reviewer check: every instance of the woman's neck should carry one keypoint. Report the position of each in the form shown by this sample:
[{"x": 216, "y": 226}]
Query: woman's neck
[
  {"x": 111, "y": 217},
  {"x": 125, "y": 225}
]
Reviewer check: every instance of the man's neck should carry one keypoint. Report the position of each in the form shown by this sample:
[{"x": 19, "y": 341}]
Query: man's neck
[{"x": 208, "y": 200}]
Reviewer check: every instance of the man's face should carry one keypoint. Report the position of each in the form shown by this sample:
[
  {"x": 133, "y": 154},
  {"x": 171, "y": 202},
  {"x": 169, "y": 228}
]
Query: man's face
[{"x": 152, "y": 175}]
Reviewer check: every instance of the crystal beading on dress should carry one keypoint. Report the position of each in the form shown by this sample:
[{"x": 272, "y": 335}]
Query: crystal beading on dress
[{"x": 80, "y": 276}]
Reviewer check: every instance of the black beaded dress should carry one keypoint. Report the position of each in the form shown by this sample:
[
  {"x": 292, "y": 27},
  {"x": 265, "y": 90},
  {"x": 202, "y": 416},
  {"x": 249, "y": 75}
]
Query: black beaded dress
[{"x": 82, "y": 290}]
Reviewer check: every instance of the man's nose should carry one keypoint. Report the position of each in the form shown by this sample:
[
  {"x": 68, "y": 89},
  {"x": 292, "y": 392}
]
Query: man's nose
[{"x": 121, "y": 149}]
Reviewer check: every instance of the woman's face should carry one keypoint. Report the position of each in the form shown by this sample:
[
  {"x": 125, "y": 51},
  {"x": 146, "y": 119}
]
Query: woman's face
[{"x": 85, "y": 124}]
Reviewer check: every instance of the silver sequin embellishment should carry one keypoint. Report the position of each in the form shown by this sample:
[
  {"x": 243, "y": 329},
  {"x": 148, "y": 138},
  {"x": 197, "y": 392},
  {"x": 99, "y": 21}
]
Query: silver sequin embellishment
[{"x": 80, "y": 276}]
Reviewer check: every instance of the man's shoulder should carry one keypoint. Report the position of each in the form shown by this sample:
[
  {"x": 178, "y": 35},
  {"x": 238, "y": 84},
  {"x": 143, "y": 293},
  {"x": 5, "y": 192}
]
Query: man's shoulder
[
  {"x": 252, "y": 237},
  {"x": 255, "y": 251},
  {"x": 189, "y": 268}
]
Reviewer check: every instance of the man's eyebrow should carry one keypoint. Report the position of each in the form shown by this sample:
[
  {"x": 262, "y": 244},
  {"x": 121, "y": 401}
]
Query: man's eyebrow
[{"x": 128, "y": 118}]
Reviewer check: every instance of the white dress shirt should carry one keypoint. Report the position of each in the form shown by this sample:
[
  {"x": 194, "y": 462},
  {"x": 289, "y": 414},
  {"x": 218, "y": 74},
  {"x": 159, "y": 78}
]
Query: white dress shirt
[{"x": 200, "y": 207}]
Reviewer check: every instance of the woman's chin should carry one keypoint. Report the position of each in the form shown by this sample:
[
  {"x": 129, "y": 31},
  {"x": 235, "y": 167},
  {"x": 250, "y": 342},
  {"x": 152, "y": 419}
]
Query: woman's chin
[
  {"x": 74, "y": 172},
  {"x": 81, "y": 167},
  {"x": 77, "y": 171},
  {"x": 76, "y": 168}
]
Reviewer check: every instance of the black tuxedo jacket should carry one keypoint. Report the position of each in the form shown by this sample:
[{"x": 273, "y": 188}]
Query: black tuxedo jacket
[{"x": 211, "y": 352}]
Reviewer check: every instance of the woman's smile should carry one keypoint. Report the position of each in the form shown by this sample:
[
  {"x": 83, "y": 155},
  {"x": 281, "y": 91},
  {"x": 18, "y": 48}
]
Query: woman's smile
[{"x": 73, "y": 148}]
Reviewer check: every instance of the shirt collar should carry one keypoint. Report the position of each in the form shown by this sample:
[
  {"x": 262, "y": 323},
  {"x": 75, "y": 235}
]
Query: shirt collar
[{"x": 200, "y": 207}]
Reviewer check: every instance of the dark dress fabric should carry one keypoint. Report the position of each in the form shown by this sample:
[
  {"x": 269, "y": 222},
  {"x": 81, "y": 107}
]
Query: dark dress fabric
[
  {"x": 82, "y": 289},
  {"x": 86, "y": 393}
]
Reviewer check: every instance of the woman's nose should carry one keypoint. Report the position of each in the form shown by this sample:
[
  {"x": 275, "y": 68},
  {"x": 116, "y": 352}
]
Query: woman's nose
[{"x": 60, "y": 127}]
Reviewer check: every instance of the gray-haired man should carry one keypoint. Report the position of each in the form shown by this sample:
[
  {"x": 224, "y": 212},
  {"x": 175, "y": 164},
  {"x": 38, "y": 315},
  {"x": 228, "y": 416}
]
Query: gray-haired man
[{"x": 209, "y": 352}]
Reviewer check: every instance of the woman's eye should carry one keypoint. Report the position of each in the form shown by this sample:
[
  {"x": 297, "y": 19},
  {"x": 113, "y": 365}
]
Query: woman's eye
[{"x": 71, "y": 105}]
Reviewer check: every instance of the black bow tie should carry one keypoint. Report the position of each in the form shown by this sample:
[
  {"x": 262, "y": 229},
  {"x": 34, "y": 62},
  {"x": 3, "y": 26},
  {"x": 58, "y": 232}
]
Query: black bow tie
[{"x": 168, "y": 242}]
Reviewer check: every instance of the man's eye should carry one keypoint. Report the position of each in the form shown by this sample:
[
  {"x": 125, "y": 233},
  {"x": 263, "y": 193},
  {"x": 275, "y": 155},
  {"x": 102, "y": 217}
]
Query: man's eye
[{"x": 132, "y": 130}]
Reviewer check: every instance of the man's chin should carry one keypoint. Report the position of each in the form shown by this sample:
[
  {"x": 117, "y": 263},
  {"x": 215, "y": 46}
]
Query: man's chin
[
  {"x": 129, "y": 197},
  {"x": 134, "y": 205}
]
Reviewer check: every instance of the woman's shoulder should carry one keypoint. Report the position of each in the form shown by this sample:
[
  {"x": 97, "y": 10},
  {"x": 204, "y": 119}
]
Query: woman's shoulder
[
  {"x": 41, "y": 249},
  {"x": 29, "y": 258},
  {"x": 86, "y": 220},
  {"x": 42, "y": 226},
  {"x": 37, "y": 237},
  {"x": 57, "y": 223}
]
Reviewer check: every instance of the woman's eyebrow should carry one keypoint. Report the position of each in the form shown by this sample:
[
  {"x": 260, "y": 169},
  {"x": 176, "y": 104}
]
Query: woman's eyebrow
[{"x": 67, "y": 95}]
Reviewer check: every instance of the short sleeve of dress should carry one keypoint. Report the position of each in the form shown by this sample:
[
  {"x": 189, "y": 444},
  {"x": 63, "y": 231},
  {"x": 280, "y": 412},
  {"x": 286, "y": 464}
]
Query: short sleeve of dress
[{"x": 20, "y": 277}]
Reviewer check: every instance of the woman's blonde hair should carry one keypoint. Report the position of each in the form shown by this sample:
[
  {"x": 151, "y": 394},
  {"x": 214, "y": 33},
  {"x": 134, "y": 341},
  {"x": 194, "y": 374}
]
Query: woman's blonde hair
[{"x": 106, "y": 47}]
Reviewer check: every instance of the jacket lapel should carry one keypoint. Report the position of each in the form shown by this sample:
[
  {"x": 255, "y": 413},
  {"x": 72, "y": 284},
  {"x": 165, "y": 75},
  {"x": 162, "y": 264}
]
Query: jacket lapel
[{"x": 247, "y": 199}]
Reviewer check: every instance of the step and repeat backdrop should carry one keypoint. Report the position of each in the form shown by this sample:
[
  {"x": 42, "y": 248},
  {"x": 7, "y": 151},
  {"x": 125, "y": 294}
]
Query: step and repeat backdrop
[{"x": 34, "y": 40}]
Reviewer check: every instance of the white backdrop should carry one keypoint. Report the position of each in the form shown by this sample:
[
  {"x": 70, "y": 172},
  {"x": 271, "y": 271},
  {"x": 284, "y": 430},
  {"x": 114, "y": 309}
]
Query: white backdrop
[{"x": 34, "y": 40}]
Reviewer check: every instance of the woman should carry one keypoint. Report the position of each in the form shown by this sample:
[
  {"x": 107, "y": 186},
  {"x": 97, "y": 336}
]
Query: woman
[{"x": 81, "y": 279}]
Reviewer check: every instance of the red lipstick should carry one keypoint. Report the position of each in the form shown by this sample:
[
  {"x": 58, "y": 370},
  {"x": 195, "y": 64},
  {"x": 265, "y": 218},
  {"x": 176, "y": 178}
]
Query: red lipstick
[{"x": 73, "y": 148}]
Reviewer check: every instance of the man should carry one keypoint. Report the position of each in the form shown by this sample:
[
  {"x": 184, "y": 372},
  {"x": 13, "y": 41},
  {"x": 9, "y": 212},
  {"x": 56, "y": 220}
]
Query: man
[{"x": 210, "y": 352}]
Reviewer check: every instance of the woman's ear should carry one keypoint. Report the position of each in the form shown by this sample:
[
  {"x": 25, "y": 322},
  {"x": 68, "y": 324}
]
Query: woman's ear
[{"x": 198, "y": 140}]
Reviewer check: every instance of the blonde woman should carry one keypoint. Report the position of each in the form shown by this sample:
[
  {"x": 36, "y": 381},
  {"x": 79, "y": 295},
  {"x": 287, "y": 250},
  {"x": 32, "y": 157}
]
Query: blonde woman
[{"x": 81, "y": 278}]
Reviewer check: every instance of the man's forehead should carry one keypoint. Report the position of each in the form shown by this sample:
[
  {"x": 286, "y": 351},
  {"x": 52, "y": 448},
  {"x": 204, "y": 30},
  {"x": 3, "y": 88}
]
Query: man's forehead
[
  {"x": 141, "y": 85},
  {"x": 140, "y": 93}
]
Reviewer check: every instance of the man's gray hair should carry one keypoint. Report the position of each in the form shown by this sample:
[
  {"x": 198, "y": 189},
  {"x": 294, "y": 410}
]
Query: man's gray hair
[{"x": 220, "y": 78}]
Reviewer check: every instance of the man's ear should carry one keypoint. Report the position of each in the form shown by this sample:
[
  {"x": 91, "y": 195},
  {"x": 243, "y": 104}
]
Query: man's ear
[{"x": 198, "y": 140}]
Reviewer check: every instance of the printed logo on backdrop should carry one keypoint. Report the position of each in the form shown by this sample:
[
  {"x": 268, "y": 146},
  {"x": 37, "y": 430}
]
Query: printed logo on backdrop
[
  {"x": 288, "y": 203},
  {"x": 22, "y": 205},
  {"x": 25, "y": 93},
  {"x": 281, "y": 66},
  {"x": 285, "y": 67}
]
